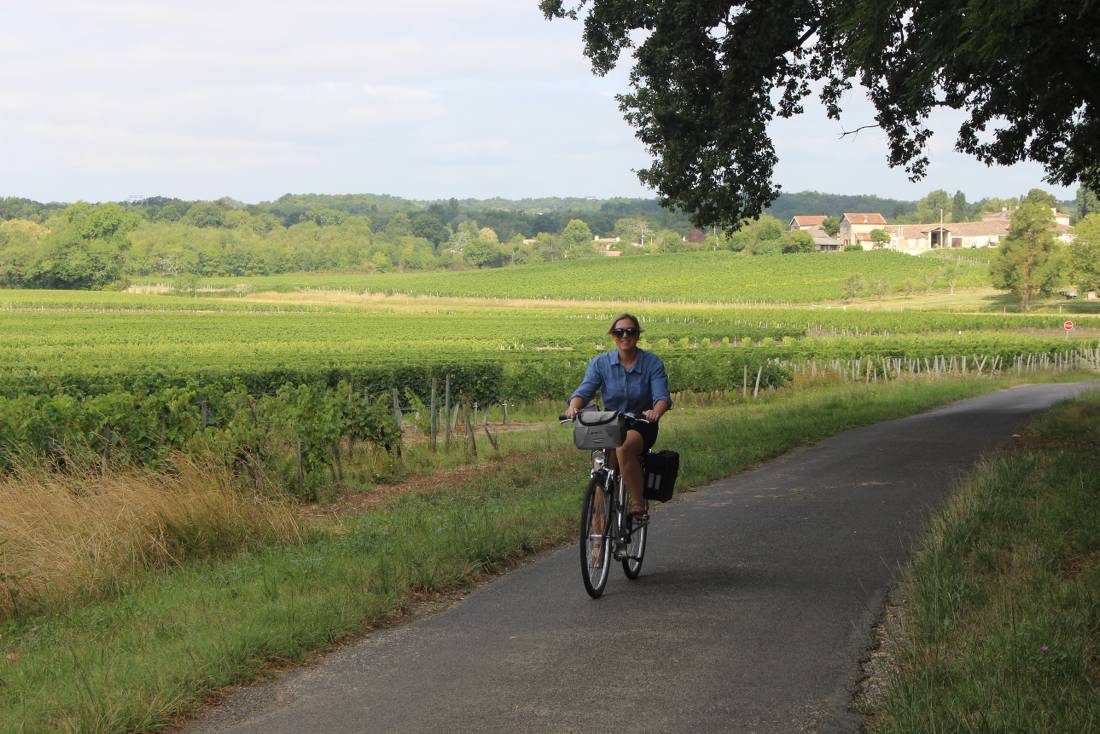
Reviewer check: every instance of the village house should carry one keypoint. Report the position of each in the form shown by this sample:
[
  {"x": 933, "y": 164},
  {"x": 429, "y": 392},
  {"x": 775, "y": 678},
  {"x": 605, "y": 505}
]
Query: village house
[
  {"x": 856, "y": 228},
  {"x": 914, "y": 239},
  {"x": 804, "y": 222},
  {"x": 918, "y": 238},
  {"x": 811, "y": 225}
]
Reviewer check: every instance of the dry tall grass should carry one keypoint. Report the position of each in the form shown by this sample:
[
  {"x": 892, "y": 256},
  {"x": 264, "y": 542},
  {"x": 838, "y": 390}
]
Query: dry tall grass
[{"x": 63, "y": 535}]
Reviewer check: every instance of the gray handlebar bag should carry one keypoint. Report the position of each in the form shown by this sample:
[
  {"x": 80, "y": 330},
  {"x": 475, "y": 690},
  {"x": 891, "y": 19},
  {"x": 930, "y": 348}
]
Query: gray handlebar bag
[{"x": 598, "y": 429}]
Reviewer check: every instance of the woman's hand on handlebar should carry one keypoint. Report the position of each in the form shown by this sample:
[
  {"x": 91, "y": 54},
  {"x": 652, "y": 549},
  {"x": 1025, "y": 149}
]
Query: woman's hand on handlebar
[{"x": 651, "y": 415}]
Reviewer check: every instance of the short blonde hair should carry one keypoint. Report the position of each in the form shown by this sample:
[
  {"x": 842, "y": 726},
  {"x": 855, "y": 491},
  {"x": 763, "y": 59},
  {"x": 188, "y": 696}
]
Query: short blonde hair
[{"x": 622, "y": 316}]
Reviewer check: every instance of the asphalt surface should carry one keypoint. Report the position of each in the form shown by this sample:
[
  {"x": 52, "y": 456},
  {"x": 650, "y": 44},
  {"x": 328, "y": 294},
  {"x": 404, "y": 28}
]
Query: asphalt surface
[{"x": 755, "y": 604}]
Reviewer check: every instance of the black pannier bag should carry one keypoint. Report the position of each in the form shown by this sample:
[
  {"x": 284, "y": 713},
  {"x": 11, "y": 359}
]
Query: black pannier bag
[{"x": 659, "y": 470}]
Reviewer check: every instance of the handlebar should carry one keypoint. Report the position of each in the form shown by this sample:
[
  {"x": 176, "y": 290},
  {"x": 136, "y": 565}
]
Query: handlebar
[{"x": 629, "y": 416}]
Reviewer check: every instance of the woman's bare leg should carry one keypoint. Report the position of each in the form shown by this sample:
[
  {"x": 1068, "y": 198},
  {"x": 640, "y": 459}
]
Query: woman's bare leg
[{"x": 630, "y": 467}]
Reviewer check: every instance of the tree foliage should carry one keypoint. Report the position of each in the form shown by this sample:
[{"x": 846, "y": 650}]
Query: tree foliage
[
  {"x": 1086, "y": 203},
  {"x": 708, "y": 77},
  {"x": 1029, "y": 261},
  {"x": 879, "y": 238},
  {"x": 1085, "y": 254}
]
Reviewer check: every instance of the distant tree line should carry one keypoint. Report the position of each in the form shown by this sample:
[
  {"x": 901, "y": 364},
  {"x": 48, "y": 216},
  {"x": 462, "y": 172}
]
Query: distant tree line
[
  {"x": 93, "y": 246},
  {"x": 100, "y": 245}
]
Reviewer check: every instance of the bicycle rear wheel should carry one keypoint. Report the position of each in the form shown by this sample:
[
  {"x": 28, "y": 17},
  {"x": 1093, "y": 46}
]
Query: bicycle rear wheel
[
  {"x": 635, "y": 550},
  {"x": 595, "y": 555}
]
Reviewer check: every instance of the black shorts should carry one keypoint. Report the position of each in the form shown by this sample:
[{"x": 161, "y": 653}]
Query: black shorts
[{"x": 648, "y": 431}]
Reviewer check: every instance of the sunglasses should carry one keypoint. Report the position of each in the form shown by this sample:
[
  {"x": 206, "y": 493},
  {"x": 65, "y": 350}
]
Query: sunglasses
[{"x": 620, "y": 333}]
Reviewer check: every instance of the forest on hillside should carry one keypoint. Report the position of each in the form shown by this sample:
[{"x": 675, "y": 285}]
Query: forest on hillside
[{"x": 95, "y": 246}]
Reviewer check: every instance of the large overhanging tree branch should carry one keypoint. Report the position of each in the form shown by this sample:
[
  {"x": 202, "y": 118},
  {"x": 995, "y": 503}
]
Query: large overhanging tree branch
[{"x": 708, "y": 76}]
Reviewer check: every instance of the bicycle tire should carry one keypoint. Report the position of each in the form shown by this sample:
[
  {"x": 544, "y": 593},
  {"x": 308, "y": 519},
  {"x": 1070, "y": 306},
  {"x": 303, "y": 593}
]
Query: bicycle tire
[
  {"x": 635, "y": 553},
  {"x": 595, "y": 557}
]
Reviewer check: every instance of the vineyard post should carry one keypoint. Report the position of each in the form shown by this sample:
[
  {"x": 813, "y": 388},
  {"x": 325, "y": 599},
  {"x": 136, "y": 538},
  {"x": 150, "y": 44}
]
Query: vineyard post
[
  {"x": 298, "y": 464},
  {"x": 471, "y": 437},
  {"x": 756, "y": 390},
  {"x": 337, "y": 464},
  {"x": 745, "y": 382},
  {"x": 447, "y": 412},
  {"x": 397, "y": 419},
  {"x": 504, "y": 405},
  {"x": 433, "y": 416},
  {"x": 488, "y": 433}
]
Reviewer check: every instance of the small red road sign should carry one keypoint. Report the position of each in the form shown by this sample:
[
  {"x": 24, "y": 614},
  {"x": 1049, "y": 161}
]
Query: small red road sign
[{"x": 1068, "y": 326}]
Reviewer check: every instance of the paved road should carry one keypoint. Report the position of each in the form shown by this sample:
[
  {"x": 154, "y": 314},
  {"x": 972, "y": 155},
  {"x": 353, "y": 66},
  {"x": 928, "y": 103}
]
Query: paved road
[{"x": 756, "y": 602}]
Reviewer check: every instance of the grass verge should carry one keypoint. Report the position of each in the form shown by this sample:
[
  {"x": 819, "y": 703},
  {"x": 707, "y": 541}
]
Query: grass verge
[
  {"x": 1000, "y": 621},
  {"x": 167, "y": 639},
  {"x": 66, "y": 538}
]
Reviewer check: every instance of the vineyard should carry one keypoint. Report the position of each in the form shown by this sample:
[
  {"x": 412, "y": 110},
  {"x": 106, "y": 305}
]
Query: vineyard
[
  {"x": 281, "y": 390},
  {"x": 710, "y": 277}
]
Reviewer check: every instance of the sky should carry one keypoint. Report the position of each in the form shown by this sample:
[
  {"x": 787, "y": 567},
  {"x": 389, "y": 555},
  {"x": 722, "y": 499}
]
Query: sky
[{"x": 104, "y": 100}]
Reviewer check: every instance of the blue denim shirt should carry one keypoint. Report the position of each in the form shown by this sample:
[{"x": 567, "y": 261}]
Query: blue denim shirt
[{"x": 630, "y": 391}]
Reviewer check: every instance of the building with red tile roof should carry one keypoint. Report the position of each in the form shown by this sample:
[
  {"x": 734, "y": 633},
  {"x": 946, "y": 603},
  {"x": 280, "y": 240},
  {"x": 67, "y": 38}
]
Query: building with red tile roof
[{"x": 806, "y": 222}]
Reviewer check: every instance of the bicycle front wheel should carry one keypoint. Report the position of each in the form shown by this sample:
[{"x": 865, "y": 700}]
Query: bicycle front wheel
[
  {"x": 595, "y": 555},
  {"x": 635, "y": 550}
]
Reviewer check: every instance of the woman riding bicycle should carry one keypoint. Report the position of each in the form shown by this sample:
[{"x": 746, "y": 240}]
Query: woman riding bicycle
[{"x": 630, "y": 380}]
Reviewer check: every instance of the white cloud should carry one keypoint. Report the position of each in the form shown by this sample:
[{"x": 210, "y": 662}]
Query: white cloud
[{"x": 424, "y": 98}]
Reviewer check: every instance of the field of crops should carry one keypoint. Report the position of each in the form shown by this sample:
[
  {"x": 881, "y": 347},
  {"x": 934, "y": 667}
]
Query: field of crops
[
  {"x": 56, "y": 332},
  {"x": 123, "y": 377},
  {"x": 711, "y": 277}
]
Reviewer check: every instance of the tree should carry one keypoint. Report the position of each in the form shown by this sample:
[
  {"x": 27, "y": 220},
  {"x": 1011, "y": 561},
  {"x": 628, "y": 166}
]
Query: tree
[
  {"x": 1038, "y": 196},
  {"x": 709, "y": 76},
  {"x": 854, "y": 287},
  {"x": 399, "y": 226},
  {"x": 798, "y": 242},
  {"x": 1029, "y": 261},
  {"x": 960, "y": 212},
  {"x": 548, "y": 247},
  {"x": 929, "y": 209},
  {"x": 481, "y": 253},
  {"x": 1085, "y": 254},
  {"x": 879, "y": 238},
  {"x": 577, "y": 238},
  {"x": 831, "y": 225},
  {"x": 633, "y": 229},
  {"x": 205, "y": 214},
  {"x": 106, "y": 222},
  {"x": 1087, "y": 203},
  {"x": 428, "y": 225}
]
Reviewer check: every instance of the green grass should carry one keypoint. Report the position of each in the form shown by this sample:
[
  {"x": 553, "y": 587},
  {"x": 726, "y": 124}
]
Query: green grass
[
  {"x": 1002, "y": 606},
  {"x": 158, "y": 646},
  {"x": 712, "y": 277}
]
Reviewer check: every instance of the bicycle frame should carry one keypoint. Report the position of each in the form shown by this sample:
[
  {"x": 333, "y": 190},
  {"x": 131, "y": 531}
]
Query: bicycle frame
[{"x": 618, "y": 533}]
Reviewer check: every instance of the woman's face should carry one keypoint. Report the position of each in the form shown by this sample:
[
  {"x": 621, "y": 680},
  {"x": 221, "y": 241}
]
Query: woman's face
[{"x": 625, "y": 332}]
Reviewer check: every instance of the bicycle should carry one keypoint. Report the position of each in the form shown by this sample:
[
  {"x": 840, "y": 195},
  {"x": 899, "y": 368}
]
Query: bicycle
[{"x": 607, "y": 523}]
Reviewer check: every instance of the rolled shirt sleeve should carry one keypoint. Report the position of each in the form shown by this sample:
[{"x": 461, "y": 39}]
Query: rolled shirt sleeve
[
  {"x": 658, "y": 382},
  {"x": 590, "y": 384}
]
